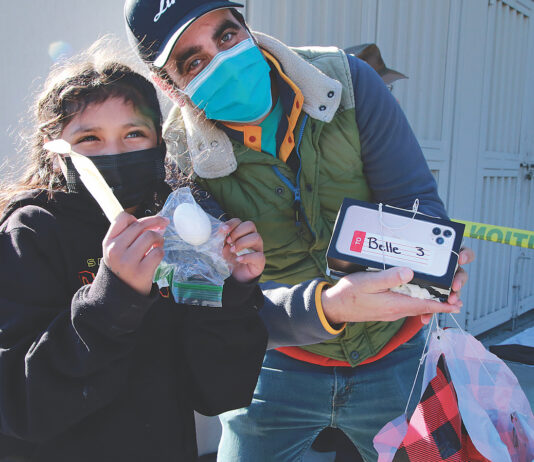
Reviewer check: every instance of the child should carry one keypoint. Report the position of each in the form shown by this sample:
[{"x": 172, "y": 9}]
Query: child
[{"x": 96, "y": 364}]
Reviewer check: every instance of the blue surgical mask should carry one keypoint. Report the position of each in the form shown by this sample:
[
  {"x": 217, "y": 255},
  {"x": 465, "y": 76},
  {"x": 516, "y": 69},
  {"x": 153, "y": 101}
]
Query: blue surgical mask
[{"x": 235, "y": 86}]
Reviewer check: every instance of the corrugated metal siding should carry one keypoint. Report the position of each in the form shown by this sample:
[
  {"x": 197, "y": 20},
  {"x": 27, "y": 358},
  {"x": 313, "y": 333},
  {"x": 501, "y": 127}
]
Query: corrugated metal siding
[
  {"x": 524, "y": 271},
  {"x": 503, "y": 275},
  {"x": 491, "y": 298},
  {"x": 494, "y": 293},
  {"x": 313, "y": 22},
  {"x": 508, "y": 32},
  {"x": 413, "y": 36}
]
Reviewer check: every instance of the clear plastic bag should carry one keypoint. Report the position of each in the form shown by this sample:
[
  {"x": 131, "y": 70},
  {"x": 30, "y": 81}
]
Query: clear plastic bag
[{"x": 195, "y": 274}]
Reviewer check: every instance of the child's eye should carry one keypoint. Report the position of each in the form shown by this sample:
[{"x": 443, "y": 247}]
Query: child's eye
[
  {"x": 136, "y": 134},
  {"x": 87, "y": 139}
]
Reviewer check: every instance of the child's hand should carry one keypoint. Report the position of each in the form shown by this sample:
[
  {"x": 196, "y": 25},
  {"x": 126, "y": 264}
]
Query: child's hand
[
  {"x": 243, "y": 236},
  {"x": 133, "y": 249}
]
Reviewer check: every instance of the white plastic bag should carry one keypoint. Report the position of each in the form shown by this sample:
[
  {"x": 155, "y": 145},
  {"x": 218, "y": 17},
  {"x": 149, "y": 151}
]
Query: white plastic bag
[
  {"x": 494, "y": 408},
  {"x": 491, "y": 403}
]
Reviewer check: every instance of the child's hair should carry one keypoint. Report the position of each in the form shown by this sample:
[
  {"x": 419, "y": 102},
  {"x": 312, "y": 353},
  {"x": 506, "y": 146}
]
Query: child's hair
[{"x": 68, "y": 90}]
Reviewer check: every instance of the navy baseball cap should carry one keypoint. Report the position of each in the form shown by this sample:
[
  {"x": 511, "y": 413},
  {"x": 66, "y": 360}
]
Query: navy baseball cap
[{"x": 156, "y": 25}]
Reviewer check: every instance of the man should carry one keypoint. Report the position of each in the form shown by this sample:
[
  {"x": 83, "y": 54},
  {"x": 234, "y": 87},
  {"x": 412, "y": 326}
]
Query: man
[{"x": 280, "y": 136}]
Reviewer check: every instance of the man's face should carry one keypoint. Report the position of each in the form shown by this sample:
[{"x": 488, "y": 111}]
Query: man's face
[{"x": 210, "y": 34}]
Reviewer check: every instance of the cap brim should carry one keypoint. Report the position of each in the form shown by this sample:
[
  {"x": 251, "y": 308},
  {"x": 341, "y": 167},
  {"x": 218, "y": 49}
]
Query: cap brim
[{"x": 166, "y": 48}]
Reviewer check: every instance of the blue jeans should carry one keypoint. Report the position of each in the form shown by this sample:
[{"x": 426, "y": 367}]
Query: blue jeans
[{"x": 294, "y": 401}]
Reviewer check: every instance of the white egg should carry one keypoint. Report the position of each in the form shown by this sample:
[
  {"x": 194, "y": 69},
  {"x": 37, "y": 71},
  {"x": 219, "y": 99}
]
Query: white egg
[{"x": 192, "y": 224}]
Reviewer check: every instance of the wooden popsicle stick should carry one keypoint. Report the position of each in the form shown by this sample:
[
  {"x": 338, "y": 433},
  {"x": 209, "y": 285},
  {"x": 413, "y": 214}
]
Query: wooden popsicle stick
[{"x": 91, "y": 178}]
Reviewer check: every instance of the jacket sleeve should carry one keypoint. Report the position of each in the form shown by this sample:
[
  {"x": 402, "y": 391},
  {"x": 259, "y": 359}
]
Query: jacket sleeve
[
  {"x": 393, "y": 162},
  {"x": 291, "y": 315},
  {"x": 61, "y": 356},
  {"x": 225, "y": 348}
]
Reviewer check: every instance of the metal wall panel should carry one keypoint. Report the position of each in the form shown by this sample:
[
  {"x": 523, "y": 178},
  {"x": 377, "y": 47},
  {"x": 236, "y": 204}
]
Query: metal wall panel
[
  {"x": 508, "y": 32},
  {"x": 490, "y": 301},
  {"x": 418, "y": 38},
  {"x": 503, "y": 276},
  {"x": 523, "y": 284},
  {"x": 341, "y": 23},
  {"x": 413, "y": 35}
]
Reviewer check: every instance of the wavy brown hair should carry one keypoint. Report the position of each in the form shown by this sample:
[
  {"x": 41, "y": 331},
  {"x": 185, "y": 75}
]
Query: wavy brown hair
[{"x": 68, "y": 90}]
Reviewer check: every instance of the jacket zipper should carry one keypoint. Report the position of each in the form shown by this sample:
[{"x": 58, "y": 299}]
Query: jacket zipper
[{"x": 297, "y": 203}]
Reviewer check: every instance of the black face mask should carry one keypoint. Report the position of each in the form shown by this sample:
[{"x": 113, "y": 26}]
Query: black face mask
[{"x": 132, "y": 176}]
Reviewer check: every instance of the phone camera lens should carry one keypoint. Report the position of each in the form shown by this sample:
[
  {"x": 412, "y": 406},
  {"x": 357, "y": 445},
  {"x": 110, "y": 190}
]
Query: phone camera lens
[
  {"x": 447, "y": 233},
  {"x": 440, "y": 240},
  {"x": 436, "y": 231}
]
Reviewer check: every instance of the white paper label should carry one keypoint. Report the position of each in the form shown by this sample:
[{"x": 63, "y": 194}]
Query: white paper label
[{"x": 396, "y": 240}]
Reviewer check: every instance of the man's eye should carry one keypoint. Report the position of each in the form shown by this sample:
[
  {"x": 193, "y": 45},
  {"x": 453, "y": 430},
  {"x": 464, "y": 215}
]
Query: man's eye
[
  {"x": 193, "y": 65},
  {"x": 227, "y": 37}
]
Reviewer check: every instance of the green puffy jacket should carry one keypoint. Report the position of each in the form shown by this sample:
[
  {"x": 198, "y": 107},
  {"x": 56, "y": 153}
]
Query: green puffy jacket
[{"x": 295, "y": 212}]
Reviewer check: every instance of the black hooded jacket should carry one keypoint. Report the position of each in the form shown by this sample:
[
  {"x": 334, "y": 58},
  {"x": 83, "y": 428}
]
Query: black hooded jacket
[{"x": 91, "y": 370}]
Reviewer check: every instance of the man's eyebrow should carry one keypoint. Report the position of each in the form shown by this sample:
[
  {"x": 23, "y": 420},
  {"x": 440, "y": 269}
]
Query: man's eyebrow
[
  {"x": 226, "y": 24},
  {"x": 188, "y": 52}
]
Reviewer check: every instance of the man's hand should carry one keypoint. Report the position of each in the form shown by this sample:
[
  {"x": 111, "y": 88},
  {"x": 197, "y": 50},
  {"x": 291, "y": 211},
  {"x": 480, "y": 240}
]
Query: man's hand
[
  {"x": 361, "y": 297},
  {"x": 243, "y": 236},
  {"x": 133, "y": 249},
  {"x": 460, "y": 278}
]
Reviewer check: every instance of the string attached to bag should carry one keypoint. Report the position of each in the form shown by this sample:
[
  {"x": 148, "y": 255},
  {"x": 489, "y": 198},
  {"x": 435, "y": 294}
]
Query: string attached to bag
[
  {"x": 425, "y": 352},
  {"x": 421, "y": 360}
]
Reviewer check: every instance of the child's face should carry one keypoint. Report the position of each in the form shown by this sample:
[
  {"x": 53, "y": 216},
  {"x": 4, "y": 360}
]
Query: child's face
[{"x": 111, "y": 127}]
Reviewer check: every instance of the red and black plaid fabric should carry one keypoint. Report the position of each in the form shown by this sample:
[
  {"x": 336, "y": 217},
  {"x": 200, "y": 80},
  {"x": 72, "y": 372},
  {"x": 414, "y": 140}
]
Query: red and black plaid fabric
[{"x": 435, "y": 432}]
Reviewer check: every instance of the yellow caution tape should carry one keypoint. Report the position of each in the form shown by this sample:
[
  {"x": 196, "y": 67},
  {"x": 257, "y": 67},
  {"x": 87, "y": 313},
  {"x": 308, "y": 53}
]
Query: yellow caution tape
[{"x": 510, "y": 236}]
